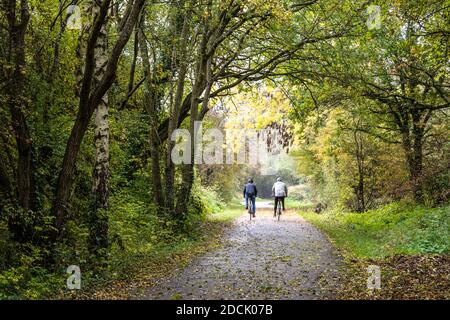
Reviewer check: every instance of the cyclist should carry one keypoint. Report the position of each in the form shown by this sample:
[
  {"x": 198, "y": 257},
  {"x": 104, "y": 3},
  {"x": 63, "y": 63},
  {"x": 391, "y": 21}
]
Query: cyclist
[
  {"x": 279, "y": 191},
  {"x": 250, "y": 193}
]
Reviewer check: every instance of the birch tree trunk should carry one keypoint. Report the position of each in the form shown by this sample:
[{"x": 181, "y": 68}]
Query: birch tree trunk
[{"x": 99, "y": 212}]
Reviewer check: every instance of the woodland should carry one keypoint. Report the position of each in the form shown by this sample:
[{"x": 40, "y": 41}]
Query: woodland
[{"x": 357, "y": 94}]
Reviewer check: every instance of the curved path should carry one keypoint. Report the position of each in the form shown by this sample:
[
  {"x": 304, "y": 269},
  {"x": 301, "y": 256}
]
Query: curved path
[{"x": 260, "y": 259}]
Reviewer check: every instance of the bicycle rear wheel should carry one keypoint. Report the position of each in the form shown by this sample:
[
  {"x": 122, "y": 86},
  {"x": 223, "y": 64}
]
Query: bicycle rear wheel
[
  {"x": 250, "y": 208},
  {"x": 279, "y": 209}
]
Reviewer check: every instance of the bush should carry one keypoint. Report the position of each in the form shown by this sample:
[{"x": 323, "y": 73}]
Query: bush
[
  {"x": 27, "y": 279},
  {"x": 299, "y": 192}
]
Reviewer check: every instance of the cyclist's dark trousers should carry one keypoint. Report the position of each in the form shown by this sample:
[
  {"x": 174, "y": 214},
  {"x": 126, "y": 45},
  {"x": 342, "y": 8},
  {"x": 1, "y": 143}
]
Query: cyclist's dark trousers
[{"x": 281, "y": 199}]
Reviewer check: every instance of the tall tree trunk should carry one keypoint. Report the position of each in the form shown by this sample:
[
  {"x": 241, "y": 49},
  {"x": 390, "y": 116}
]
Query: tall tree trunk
[
  {"x": 151, "y": 101},
  {"x": 99, "y": 212},
  {"x": 412, "y": 142},
  {"x": 15, "y": 92},
  {"x": 203, "y": 80},
  {"x": 418, "y": 133},
  {"x": 359, "y": 188},
  {"x": 180, "y": 56},
  {"x": 16, "y": 100},
  {"x": 188, "y": 169}
]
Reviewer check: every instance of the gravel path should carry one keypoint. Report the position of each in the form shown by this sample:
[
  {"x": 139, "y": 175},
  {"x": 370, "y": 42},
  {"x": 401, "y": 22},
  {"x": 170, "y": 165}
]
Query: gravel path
[{"x": 260, "y": 259}]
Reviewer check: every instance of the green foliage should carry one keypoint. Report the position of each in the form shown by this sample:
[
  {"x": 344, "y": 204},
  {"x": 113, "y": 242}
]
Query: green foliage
[
  {"x": 397, "y": 228},
  {"x": 232, "y": 210},
  {"x": 29, "y": 282},
  {"x": 21, "y": 273},
  {"x": 211, "y": 199},
  {"x": 376, "y": 77},
  {"x": 137, "y": 232},
  {"x": 140, "y": 231},
  {"x": 299, "y": 192}
]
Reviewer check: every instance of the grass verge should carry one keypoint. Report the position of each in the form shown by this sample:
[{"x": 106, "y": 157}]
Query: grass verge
[{"x": 410, "y": 244}]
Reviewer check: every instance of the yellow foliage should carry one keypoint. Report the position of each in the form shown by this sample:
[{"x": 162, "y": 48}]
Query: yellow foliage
[{"x": 256, "y": 109}]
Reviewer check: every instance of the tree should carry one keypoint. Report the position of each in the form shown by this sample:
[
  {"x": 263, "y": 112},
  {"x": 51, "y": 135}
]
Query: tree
[
  {"x": 18, "y": 17},
  {"x": 232, "y": 44},
  {"x": 410, "y": 84},
  {"x": 402, "y": 68},
  {"x": 100, "y": 190},
  {"x": 90, "y": 98}
]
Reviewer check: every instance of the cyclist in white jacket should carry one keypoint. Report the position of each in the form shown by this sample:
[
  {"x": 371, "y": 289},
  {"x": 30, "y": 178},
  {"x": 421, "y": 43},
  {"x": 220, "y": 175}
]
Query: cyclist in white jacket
[{"x": 279, "y": 191}]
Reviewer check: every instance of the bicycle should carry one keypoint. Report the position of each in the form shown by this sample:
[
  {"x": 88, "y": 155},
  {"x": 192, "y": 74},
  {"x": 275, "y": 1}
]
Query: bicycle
[
  {"x": 278, "y": 208},
  {"x": 250, "y": 207}
]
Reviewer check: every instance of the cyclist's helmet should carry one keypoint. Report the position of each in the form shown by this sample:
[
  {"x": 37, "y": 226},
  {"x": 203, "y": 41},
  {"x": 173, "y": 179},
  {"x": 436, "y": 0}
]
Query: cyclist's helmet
[
  {"x": 279, "y": 179},
  {"x": 250, "y": 180}
]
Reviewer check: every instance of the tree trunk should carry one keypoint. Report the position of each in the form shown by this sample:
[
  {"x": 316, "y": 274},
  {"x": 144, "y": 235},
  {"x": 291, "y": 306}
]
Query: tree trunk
[
  {"x": 418, "y": 133},
  {"x": 179, "y": 55},
  {"x": 151, "y": 100},
  {"x": 412, "y": 142},
  {"x": 203, "y": 80},
  {"x": 173, "y": 124},
  {"x": 188, "y": 169},
  {"x": 65, "y": 177},
  {"x": 99, "y": 212},
  {"x": 359, "y": 189},
  {"x": 15, "y": 92},
  {"x": 17, "y": 102}
]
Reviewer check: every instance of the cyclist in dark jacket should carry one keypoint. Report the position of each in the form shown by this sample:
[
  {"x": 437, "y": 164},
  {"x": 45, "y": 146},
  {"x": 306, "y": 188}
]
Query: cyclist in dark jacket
[{"x": 250, "y": 193}]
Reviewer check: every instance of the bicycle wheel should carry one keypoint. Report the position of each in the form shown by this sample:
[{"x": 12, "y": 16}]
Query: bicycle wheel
[{"x": 279, "y": 209}]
